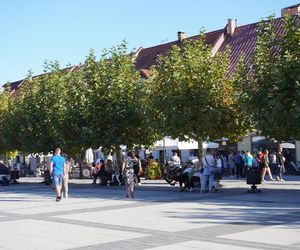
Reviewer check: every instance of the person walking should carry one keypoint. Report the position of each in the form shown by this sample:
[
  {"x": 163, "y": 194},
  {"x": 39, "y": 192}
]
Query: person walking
[
  {"x": 231, "y": 163},
  {"x": 65, "y": 186},
  {"x": 137, "y": 167},
  {"x": 57, "y": 171},
  {"x": 266, "y": 167},
  {"x": 279, "y": 164},
  {"x": 248, "y": 161},
  {"x": 209, "y": 163},
  {"x": 273, "y": 161},
  {"x": 128, "y": 173},
  {"x": 238, "y": 161}
]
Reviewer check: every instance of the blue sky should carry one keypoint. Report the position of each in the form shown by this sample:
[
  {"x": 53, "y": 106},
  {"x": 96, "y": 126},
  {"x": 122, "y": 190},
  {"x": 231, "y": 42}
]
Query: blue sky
[{"x": 65, "y": 30}]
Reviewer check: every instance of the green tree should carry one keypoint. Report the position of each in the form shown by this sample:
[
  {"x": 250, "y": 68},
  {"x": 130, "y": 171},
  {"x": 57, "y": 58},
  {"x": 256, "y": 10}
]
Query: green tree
[
  {"x": 192, "y": 96},
  {"x": 114, "y": 109},
  {"x": 39, "y": 109},
  {"x": 273, "y": 85},
  {"x": 4, "y": 105}
]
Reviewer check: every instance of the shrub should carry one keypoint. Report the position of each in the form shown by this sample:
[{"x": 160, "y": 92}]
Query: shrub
[{"x": 152, "y": 171}]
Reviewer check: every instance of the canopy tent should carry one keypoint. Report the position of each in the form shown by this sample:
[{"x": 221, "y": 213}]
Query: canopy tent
[
  {"x": 210, "y": 145},
  {"x": 168, "y": 143}
]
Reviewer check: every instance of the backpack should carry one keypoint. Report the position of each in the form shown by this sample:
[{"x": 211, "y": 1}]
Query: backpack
[{"x": 255, "y": 163}]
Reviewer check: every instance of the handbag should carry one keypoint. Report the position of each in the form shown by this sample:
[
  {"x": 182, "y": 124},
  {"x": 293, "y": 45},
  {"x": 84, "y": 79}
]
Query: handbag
[{"x": 211, "y": 169}]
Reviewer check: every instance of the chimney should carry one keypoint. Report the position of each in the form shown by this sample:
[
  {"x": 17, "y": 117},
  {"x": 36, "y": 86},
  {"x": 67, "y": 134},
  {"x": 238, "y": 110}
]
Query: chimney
[
  {"x": 231, "y": 25},
  {"x": 291, "y": 10},
  {"x": 181, "y": 36}
]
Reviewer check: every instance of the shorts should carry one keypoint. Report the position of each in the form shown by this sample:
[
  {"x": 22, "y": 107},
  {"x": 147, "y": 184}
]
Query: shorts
[{"x": 57, "y": 179}]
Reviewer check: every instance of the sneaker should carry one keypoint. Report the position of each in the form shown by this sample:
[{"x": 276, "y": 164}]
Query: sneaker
[
  {"x": 277, "y": 178},
  {"x": 263, "y": 180},
  {"x": 282, "y": 180},
  {"x": 272, "y": 179},
  {"x": 58, "y": 199}
]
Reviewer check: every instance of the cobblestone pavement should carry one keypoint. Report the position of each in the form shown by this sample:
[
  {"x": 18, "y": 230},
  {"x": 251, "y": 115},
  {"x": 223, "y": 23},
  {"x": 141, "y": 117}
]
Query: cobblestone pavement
[{"x": 159, "y": 217}]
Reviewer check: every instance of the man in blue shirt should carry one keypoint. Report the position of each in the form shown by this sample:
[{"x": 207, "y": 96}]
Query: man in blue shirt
[{"x": 57, "y": 170}]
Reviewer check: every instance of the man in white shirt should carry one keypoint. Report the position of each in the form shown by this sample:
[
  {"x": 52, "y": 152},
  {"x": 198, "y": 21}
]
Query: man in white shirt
[{"x": 176, "y": 160}]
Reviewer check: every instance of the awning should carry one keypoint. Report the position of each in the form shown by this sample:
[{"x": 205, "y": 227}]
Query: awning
[
  {"x": 287, "y": 145},
  {"x": 166, "y": 143}
]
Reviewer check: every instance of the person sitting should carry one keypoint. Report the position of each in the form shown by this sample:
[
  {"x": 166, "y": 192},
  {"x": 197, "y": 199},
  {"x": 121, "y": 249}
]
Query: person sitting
[
  {"x": 176, "y": 160},
  {"x": 188, "y": 178},
  {"x": 98, "y": 170}
]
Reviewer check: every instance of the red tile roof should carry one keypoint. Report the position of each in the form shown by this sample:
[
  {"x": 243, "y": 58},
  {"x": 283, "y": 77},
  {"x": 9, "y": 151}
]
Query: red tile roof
[
  {"x": 241, "y": 42},
  {"x": 147, "y": 56}
]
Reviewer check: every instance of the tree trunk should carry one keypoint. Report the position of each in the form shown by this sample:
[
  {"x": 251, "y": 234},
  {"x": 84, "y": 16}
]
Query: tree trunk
[
  {"x": 200, "y": 150},
  {"x": 80, "y": 157},
  {"x": 119, "y": 158}
]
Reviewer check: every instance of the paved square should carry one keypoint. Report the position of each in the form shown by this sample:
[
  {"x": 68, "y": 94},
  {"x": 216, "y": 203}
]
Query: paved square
[
  {"x": 166, "y": 217},
  {"x": 191, "y": 245},
  {"x": 282, "y": 235},
  {"x": 34, "y": 234},
  {"x": 160, "y": 217}
]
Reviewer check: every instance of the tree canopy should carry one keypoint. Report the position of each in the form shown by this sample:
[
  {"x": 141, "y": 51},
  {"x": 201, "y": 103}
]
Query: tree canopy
[
  {"x": 272, "y": 87},
  {"x": 96, "y": 104},
  {"x": 191, "y": 95}
]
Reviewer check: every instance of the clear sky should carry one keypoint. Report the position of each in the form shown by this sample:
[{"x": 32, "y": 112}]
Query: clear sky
[{"x": 65, "y": 30}]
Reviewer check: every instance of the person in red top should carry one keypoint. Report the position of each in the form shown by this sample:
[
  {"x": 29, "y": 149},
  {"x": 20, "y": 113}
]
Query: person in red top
[
  {"x": 98, "y": 170},
  {"x": 260, "y": 156}
]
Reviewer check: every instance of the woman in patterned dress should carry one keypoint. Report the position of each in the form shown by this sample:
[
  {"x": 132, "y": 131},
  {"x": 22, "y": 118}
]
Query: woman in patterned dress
[{"x": 128, "y": 173}]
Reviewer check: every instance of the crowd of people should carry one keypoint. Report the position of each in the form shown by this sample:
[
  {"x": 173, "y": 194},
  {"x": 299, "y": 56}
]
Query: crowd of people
[
  {"x": 109, "y": 172},
  {"x": 270, "y": 164},
  {"x": 207, "y": 173},
  {"x": 214, "y": 165}
]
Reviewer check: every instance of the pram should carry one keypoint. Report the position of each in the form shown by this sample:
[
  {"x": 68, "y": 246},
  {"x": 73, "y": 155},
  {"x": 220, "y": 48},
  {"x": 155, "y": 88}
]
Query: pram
[
  {"x": 253, "y": 178},
  {"x": 4, "y": 175}
]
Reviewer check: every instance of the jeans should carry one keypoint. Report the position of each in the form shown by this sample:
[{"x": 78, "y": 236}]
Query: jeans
[
  {"x": 204, "y": 180},
  {"x": 57, "y": 179}
]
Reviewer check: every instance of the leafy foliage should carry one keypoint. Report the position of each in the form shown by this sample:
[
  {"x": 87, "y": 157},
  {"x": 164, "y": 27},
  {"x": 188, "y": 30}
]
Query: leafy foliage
[
  {"x": 273, "y": 85},
  {"x": 153, "y": 171},
  {"x": 114, "y": 105},
  {"x": 92, "y": 105},
  {"x": 191, "y": 95}
]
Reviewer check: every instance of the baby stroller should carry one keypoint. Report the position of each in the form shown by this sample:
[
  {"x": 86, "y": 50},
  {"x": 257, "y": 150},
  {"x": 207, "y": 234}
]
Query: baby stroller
[
  {"x": 253, "y": 179},
  {"x": 4, "y": 175}
]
